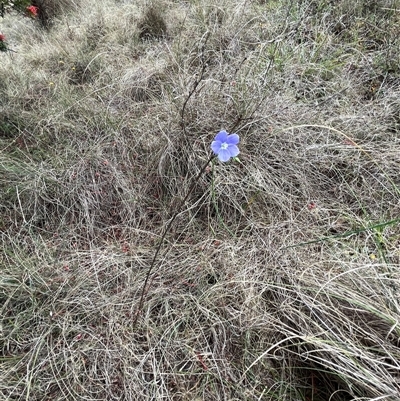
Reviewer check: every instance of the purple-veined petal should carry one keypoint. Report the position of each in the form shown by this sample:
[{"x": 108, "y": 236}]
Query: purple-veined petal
[
  {"x": 233, "y": 150},
  {"x": 233, "y": 139},
  {"x": 221, "y": 136},
  {"x": 216, "y": 146},
  {"x": 224, "y": 155}
]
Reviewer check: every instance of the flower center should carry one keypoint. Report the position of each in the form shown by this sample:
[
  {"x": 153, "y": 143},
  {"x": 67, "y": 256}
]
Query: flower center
[{"x": 224, "y": 146}]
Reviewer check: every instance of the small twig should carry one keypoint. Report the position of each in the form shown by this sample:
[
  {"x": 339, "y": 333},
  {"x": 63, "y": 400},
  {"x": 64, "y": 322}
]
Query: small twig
[
  {"x": 195, "y": 85},
  {"x": 166, "y": 230},
  {"x": 201, "y": 360}
]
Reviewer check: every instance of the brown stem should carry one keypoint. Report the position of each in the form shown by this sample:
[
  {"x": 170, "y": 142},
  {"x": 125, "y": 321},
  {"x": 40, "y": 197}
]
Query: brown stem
[{"x": 166, "y": 230}]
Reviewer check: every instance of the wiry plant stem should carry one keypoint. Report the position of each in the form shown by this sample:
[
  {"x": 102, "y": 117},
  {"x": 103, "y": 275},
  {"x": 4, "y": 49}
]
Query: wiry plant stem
[
  {"x": 169, "y": 225},
  {"x": 166, "y": 230}
]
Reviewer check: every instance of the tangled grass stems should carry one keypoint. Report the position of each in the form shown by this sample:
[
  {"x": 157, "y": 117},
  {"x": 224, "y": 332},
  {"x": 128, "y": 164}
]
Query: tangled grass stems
[
  {"x": 346, "y": 234},
  {"x": 95, "y": 155},
  {"x": 163, "y": 236},
  {"x": 353, "y": 143}
]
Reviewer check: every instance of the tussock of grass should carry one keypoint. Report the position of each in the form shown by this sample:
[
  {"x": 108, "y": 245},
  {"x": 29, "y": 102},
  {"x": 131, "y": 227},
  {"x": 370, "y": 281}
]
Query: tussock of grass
[
  {"x": 152, "y": 25},
  {"x": 106, "y": 118}
]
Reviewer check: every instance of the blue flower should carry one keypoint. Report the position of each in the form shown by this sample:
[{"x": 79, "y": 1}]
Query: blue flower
[{"x": 224, "y": 145}]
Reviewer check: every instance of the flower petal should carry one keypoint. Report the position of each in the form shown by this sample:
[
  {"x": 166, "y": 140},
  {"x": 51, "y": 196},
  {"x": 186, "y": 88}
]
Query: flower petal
[
  {"x": 224, "y": 155},
  {"x": 216, "y": 146},
  {"x": 222, "y": 136},
  {"x": 233, "y": 139},
  {"x": 233, "y": 150}
]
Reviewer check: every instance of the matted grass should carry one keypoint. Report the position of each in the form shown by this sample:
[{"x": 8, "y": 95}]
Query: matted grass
[{"x": 279, "y": 279}]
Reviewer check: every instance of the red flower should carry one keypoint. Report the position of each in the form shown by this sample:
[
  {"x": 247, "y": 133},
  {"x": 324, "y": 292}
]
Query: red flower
[
  {"x": 2, "y": 37},
  {"x": 33, "y": 10}
]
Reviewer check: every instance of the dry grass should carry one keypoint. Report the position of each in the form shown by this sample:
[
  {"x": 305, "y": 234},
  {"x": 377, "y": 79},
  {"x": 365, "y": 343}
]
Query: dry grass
[{"x": 279, "y": 279}]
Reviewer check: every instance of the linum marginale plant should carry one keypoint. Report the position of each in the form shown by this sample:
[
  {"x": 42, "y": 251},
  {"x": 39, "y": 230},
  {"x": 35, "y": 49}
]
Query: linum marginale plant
[{"x": 224, "y": 147}]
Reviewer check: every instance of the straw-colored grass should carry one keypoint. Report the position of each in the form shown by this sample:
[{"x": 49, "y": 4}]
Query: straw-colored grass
[{"x": 279, "y": 278}]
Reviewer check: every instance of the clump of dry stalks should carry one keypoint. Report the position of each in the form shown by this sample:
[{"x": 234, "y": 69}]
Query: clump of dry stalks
[{"x": 279, "y": 277}]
